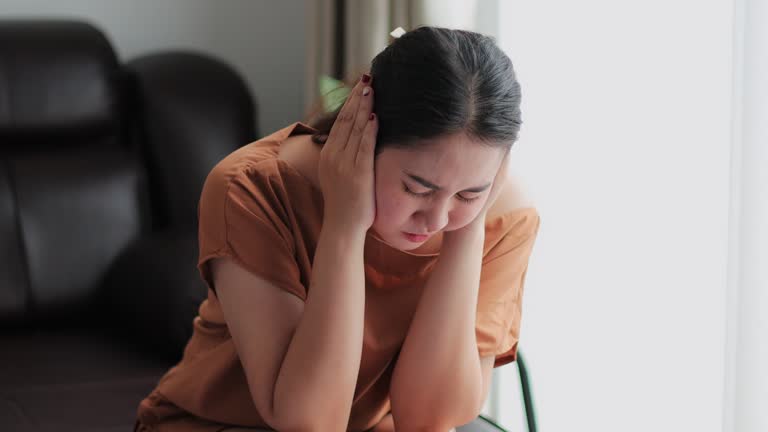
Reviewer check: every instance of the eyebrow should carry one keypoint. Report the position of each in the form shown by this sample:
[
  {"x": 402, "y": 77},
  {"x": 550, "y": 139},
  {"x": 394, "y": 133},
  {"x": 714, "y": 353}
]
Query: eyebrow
[{"x": 427, "y": 183}]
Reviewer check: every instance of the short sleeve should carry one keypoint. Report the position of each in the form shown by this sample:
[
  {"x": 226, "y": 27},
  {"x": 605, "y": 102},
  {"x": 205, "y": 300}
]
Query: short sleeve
[
  {"x": 502, "y": 279},
  {"x": 244, "y": 217}
]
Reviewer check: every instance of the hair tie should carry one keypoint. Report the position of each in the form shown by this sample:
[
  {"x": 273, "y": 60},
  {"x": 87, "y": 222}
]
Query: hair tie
[{"x": 396, "y": 33}]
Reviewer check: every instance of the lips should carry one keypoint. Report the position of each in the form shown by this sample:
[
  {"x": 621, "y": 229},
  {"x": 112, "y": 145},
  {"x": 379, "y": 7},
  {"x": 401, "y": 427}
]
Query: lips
[{"x": 416, "y": 238}]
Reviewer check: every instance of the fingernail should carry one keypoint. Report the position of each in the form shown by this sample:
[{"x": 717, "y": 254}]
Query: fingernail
[
  {"x": 366, "y": 78},
  {"x": 366, "y": 91},
  {"x": 372, "y": 116}
]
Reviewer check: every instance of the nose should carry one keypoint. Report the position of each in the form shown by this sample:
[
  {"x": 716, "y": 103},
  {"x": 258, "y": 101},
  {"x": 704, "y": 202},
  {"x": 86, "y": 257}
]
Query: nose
[{"x": 435, "y": 218}]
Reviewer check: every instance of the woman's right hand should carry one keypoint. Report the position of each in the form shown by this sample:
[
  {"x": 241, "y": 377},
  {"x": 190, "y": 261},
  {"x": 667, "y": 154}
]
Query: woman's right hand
[{"x": 346, "y": 163}]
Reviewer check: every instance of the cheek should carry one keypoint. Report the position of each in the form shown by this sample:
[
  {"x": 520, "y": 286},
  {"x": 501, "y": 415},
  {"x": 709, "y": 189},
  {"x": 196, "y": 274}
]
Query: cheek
[{"x": 392, "y": 207}]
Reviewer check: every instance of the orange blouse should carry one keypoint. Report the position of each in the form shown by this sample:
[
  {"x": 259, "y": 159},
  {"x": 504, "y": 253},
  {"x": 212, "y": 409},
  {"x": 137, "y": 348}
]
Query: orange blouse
[{"x": 267, "y": 216}]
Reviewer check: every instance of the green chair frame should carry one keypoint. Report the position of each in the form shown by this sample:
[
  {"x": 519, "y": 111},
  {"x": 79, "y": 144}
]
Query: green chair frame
[{"x": 525, "y": 387}]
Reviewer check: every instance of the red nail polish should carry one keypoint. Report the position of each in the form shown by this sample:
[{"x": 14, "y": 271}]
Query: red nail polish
[
  {"x": 372, "y": 116},
  {"x": 366, "y": 78}
]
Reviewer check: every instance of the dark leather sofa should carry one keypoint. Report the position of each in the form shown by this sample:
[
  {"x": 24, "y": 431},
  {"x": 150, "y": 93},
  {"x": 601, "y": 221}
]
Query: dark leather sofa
[{"x": 101, "y": 166}]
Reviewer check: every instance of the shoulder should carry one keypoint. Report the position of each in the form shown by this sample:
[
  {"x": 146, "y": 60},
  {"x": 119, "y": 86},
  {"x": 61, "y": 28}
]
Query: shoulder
[
  {"x": 514, "y": 196},
  {"x": 240, "y": 191},
  {"x": 303, "y": 155},
  {"x": 232, "y": 176},
  {"x": 250, "y": 160},
  {"x": 512, "y": 220}
]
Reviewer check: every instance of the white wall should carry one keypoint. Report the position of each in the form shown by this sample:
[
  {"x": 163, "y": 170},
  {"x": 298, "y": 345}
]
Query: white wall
[
  {"x": 263, "y": 40},
  {"x": 626, "y": 148}
]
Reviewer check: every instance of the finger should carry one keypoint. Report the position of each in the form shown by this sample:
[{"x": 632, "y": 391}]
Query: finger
[
  {"x": 339, "y": 133},
  {"x": 367, "y": 145},
  {"x": 365, "y": 108},
  {"x": 342, "y": 127}
]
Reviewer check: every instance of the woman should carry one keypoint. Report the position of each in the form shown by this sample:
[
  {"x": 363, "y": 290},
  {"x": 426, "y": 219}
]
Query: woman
[{"x": 365, "y": 273}]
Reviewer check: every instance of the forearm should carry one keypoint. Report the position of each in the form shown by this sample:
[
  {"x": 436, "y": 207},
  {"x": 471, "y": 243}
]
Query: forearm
[
  {"x": 438, "y": 372},
  {"x": 326, "y": 348}
]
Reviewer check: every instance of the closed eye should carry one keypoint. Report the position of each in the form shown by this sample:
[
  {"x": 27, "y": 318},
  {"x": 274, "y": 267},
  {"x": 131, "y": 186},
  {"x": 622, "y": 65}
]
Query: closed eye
[{"x": 427, "y": 194}]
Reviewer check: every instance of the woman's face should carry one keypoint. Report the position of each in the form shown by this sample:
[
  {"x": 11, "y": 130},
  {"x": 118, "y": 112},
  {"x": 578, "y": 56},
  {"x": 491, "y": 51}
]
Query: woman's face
[{"x": 439, "y": 186}]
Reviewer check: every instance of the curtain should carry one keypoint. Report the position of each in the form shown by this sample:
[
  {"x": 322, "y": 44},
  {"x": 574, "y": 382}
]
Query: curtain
[{"x": 343, "y": 36}]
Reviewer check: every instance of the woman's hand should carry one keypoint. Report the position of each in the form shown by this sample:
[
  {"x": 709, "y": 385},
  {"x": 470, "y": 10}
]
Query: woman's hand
[
  {"x": 346, "y": 162},
  {"x": 498, "y": 185},
  {"x": 478, "y": 223}
]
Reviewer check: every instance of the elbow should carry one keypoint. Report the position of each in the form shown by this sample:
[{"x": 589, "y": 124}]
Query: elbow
[
  {"x": 302, "y": 427},
  {"x": 420, "y": 417},
  {"x": 417, "y": 425},
  {"x": 297, "y": 424},
  {"x": 298, "y": 420},
  {"x": 305, "y": 411},
  {"x": 430, "y": 424}
]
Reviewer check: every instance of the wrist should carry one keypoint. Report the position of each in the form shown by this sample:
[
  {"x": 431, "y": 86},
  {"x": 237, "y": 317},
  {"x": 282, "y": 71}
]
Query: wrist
[
  {"x": 343, "y": 226},
  {"x": 346, "y": 234},
  {"x": 473, "y": 232}
]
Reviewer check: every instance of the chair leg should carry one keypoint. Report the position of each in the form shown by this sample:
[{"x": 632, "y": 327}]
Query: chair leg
[
  {"x": 486, "y": 424},
  {"x": 530, "y": 413}
]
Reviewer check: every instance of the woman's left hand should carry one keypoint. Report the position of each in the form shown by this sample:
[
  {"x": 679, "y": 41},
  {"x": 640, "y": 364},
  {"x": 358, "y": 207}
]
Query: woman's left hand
[{"x": 498, "y": 185}]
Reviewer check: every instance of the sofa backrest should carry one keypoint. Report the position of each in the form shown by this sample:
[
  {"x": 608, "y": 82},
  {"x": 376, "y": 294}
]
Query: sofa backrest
[{"x": 72, "y": 194}]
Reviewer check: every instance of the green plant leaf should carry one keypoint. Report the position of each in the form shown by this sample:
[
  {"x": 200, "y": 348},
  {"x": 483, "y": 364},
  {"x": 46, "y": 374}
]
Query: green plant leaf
[{"x": 333, "y": 92}]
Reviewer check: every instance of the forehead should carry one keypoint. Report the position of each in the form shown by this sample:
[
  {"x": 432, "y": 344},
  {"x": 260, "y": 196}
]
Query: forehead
[{"x": 447, "y": 157}]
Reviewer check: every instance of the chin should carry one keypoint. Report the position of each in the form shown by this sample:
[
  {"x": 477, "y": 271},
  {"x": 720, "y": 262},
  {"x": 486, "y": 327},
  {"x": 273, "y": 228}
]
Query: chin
[
  {"x": 406, "y": 245},
  {"x": 397, "y": 240}
]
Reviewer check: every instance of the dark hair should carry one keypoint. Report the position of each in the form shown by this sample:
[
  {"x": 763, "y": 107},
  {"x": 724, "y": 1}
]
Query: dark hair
[{"x": 435, "y": 81}]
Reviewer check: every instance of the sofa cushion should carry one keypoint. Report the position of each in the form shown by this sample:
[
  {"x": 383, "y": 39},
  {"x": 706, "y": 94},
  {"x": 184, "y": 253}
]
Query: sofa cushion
[{"x": 72, "y": 380}]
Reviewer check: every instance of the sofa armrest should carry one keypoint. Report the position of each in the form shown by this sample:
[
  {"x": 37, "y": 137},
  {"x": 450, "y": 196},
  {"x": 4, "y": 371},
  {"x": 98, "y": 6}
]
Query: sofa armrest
[
  {"x": 153, "y": 291},
  {"x": 190, "y": 111}
]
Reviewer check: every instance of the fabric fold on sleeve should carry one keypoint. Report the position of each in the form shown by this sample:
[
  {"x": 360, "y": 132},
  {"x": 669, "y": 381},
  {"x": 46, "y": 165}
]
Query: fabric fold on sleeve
[
  {"x": 502, "y": 281},
  {"x": 245, "y": 219}
]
